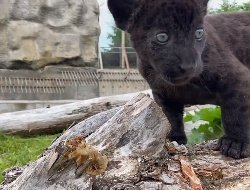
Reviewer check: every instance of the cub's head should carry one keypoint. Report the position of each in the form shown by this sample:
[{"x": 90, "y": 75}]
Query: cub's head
[{"x": 168, "y": 35}]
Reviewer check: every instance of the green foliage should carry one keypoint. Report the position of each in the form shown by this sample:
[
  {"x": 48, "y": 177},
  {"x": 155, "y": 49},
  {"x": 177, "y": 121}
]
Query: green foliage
[
  {"x": 246, "y": 6},
  {"x": 18, "y": 151},
  {"x": 211, "y": 127},
  {"x": 116, "y": 37},
  {"x": 226, "y": 6},
  {"x": 112, "y": 56}
]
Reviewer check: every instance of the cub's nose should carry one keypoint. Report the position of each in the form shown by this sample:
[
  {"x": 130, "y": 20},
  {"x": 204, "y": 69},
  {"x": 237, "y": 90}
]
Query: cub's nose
[{"x": 186, "y": 68}]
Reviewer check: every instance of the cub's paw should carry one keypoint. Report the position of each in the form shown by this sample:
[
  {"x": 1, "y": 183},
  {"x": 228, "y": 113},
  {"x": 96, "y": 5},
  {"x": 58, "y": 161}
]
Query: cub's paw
[
  {"x": 233, "y": 148},
  {"x": 180, "y": 139}
]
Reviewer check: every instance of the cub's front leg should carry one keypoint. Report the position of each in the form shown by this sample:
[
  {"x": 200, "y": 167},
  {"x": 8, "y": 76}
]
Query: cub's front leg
[
  {"x": 174, "y": 112},
  {"x": 236, "y": 122}
]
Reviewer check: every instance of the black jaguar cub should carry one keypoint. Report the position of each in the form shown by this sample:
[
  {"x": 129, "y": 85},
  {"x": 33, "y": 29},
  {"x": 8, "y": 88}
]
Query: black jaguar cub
[{"x": 190, "y": 58}]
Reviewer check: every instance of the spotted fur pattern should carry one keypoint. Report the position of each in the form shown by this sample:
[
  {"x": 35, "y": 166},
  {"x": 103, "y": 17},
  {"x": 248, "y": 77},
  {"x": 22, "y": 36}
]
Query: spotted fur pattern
[{"x": 184, "y": 70}]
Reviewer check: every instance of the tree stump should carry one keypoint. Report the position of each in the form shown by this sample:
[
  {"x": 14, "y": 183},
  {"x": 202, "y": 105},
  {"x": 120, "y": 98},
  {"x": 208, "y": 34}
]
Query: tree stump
[{"x": 126, "y": 148}]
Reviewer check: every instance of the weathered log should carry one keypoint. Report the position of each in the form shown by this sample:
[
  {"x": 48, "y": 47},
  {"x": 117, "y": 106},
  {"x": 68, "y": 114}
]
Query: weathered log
[
  {"x": 58, "y": 118},
  {"x": 140, "y": 158},
  {"x": 138, "y": 128}
]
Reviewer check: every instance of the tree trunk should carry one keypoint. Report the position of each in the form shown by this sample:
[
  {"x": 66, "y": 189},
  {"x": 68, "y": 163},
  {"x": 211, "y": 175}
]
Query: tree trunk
[
  {"x": 126, "y": 148},
  {"x": 57, "y": 118}
]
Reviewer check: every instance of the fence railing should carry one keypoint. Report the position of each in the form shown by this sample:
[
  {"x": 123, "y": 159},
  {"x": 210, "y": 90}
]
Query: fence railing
[
  {"x": 112, "y": 57},
  {"x": 64, "y": 83}
]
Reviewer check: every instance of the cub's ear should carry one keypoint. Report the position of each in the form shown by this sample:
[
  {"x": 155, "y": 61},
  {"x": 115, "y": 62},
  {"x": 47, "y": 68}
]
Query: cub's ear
[
  {"x": 203, "y": 4},
  {"x": 122, "y": 11}
]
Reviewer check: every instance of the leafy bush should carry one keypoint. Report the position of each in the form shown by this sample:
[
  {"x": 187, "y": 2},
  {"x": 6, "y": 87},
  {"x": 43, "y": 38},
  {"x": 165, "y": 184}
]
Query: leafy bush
[
  {"x": 211, "y": 127},
  {"x": 226, "y": 6}
]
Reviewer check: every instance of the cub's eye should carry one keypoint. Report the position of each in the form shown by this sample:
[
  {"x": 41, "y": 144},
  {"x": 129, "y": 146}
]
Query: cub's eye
[
  {"x": 199, "y": 34},
  {"x": 162, "y": 37}
]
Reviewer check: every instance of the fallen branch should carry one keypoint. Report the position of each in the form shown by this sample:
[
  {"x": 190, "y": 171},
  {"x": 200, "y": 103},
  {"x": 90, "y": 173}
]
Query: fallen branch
[{"x": 58, "y": 118}]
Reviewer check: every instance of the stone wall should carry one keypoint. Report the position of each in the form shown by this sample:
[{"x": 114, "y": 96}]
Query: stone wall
[{"x": 37, "y": 33}]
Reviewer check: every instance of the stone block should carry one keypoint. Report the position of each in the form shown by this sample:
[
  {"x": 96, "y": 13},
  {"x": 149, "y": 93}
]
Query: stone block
[
  {"x": 27, "y": 9},
  {"x": 37, "y": 33}
]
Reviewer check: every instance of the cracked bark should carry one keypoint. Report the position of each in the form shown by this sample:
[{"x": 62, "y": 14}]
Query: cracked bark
[{"x": 140, "y": 157}]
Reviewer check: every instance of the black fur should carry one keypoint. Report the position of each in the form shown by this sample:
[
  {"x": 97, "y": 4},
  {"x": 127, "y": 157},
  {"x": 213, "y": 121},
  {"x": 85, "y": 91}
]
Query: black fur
[{"x": 185, "y": 70}]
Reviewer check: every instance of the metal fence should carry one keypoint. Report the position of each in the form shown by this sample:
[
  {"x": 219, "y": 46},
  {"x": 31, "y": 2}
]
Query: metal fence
[
  {"x": 68, "y": 83},
  {"x": 111, "y": 57},
  {"x": 60, "y": 83}
]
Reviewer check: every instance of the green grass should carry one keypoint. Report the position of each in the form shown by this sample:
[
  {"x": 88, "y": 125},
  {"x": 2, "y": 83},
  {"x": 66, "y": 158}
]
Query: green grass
[{"x": 18, "y": 151}]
